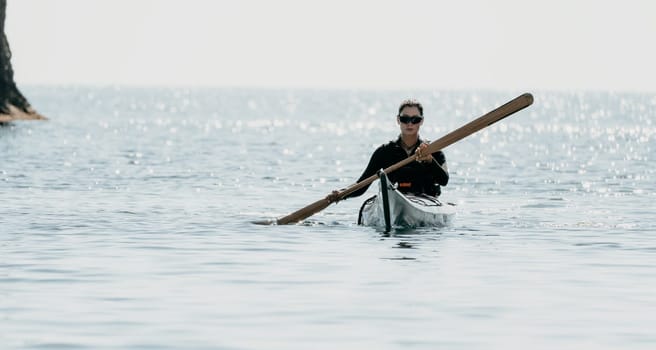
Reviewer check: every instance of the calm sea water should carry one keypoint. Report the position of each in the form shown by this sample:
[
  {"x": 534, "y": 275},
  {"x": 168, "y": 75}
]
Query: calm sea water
[{"x": 126, "y": 223}]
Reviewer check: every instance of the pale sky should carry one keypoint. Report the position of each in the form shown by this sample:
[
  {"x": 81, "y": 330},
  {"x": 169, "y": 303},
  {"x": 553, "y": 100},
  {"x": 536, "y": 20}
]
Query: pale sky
[{"x": 501, "y": 44}]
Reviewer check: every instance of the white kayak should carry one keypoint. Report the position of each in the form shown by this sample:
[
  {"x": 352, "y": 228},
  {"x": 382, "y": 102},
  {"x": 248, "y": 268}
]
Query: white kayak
[{"x": 391, "y": 208}]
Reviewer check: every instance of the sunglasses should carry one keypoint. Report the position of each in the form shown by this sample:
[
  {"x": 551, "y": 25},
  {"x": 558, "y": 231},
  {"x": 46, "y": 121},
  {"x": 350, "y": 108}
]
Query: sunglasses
[{"x": 407, "y": 119}]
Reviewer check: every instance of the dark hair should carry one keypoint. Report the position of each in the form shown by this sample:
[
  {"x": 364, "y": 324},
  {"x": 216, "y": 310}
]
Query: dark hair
[{"x": 411, "y": 103}]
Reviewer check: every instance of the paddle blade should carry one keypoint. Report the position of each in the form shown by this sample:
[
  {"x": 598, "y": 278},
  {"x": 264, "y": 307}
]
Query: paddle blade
[{"x": 264, "y": 222}]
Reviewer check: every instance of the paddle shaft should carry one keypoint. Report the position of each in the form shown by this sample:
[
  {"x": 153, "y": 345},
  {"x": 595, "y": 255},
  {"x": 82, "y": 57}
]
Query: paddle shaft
[{"x": 515, "y": 105}]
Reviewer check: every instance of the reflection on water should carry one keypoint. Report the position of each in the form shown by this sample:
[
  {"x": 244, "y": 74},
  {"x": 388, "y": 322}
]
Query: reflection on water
[{"x": 127, "y": 223}]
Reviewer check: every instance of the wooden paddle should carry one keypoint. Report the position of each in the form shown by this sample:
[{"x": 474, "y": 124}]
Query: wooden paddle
[{"x": 488, "y": 119}]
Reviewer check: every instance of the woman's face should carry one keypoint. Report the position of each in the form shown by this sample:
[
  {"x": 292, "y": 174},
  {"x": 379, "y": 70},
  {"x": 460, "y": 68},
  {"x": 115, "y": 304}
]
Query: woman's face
[{"x": 409, "y": 128}]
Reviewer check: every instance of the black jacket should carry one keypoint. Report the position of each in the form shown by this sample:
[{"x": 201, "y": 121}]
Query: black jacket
[{"x": 416, "y": 177}]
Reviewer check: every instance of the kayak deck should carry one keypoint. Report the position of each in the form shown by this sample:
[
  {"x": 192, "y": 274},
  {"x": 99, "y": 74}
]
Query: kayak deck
[{"x": 391, "y": 208}]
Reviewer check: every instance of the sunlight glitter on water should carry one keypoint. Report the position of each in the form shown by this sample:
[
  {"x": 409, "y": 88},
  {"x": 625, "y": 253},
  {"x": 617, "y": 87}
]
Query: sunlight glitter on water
[{"x": 133, "y": 208}]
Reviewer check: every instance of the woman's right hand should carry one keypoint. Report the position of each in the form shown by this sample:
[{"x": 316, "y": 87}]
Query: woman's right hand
[{"x": 333, "y": 197}]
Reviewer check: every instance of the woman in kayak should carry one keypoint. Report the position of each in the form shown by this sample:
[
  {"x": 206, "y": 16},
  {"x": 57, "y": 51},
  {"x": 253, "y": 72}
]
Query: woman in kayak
[{"x": 425, "y": 175}]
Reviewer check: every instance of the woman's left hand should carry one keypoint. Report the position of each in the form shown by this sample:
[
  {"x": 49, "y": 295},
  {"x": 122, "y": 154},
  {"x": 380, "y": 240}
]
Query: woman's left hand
[{"x": 420, "y": 156}]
